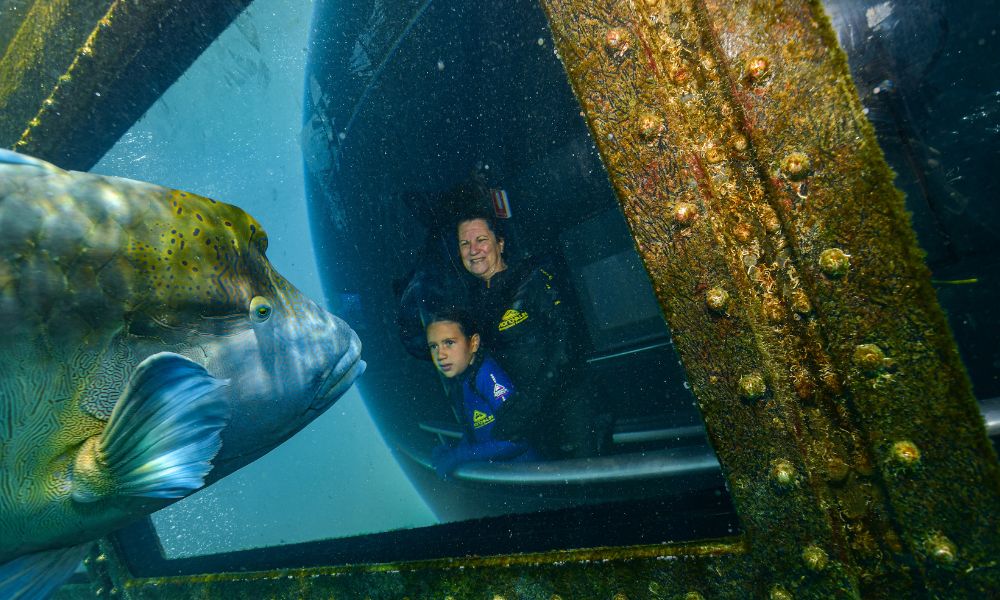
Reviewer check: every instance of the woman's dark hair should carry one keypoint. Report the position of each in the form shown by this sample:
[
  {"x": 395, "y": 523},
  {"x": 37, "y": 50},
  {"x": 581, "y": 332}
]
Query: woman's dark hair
[
  {"x": 492, "y": 223},
  {"x": 467, "y": 324}
]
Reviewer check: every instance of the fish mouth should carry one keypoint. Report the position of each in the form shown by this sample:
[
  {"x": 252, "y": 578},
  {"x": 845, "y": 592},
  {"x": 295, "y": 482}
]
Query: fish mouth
[{"x": 336, "y": 380}]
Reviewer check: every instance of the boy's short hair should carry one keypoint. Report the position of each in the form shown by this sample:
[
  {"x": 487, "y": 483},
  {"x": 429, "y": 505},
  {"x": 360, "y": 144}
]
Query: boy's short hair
[{"x": 467, "y": 324}]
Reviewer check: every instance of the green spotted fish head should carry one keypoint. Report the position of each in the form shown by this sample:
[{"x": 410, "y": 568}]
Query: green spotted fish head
[
  {"x": 197, "y": 279},
  {"x": 149, "y": 348}
]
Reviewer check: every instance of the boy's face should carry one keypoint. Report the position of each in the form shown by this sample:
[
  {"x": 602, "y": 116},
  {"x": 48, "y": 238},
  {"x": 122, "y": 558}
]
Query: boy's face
[{"x": 451, "y": 350}]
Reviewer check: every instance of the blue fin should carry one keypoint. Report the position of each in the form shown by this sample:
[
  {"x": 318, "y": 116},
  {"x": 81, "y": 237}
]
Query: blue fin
[
  {"x": 162, "y": 434},
  {"x": 13, "y": 158},
  {"x": 35, "y": 576}
]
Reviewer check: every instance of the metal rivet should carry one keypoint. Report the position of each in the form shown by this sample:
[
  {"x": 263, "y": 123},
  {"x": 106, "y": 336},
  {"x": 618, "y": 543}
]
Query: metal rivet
[
  {"x": 757, "y": 67},
  {"x": 800, "y": 302},
  {"x": 684, "y": 213},
  {"x": 739, "y": 143},
  {"x": 717, "y": 299},
  {"x": 614, "y": 40},
  {"x": 650, "y": 126},
  {"x": 905, "y": 452},
  {"x": 713, "y": 155},
  {"x": 815, "y": 558},
  {"x": 796, "y": 166},
  {"x": 780, "y": 593},
  {"x": 783, "y": 472},
  {"x": 834, "y": 262},
  {"x": 869, "y": 357},
  {"x": 752, "y": 386},
  {"x": 941, "y": 549}
]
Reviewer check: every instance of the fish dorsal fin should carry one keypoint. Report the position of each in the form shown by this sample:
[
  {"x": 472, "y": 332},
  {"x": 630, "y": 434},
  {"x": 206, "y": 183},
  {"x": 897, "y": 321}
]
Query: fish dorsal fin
[
  {"x": 161, "y": 437},
  {"x": 9, "y": 157},
  {"x": 35, "y": 576}
]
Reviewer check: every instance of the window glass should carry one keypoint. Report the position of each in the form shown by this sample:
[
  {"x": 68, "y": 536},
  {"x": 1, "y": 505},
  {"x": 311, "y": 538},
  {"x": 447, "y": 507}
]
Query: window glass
[
  {"x": 926, "y": 77},
  {"x": 412, "y": 114},
  {"x": 406, "y": 115}
]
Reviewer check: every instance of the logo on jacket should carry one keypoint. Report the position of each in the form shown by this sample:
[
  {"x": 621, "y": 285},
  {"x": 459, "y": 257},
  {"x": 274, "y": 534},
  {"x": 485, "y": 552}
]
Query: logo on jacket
[
  {"x": 481, "y": 419},
  {"x": 499, "y": 391},
  {"x": 511, "y": 318}
]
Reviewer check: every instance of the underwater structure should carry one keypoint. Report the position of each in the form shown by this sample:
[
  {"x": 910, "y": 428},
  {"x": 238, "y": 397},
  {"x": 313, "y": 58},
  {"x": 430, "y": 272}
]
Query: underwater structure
[{"x": 714, "y": 176}]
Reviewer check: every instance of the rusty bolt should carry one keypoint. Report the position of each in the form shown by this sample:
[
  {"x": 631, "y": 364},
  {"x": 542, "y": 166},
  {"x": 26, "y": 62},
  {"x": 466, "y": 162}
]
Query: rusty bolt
[
  {"x": 752, "y": 386},
  {"x": 758, "y": 68},
  {"x": 684, "y": 213},
  {"x": 739, "y": 143},
  {"x": 905, "y": 452},
  {"x": 779, "y": 593},
  {"x": 717, "y": 299},
  {"x": 615, "y": 40},
  {"x": 869, "y": 357},
  {"x": 650, "y": 126},
  {"x": 815, "y": 558},
  {"x": 796, "y": 166},
  {"x": 783, "y": 472},
  {"x": 834, "y": 262},
  {"x": 941, "y": 549}
]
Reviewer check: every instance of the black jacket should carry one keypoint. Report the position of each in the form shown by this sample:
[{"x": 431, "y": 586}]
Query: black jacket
[{"x": 528, "y": 322}]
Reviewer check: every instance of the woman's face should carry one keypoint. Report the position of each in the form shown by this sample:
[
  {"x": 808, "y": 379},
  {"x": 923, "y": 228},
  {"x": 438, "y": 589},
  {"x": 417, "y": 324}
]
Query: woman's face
[
  {"x": 451, "y": 349},
  {"x": 481, "y": 251}
]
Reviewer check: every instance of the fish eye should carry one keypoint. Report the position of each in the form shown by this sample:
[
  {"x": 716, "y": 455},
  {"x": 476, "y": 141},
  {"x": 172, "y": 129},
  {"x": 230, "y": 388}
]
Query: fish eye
[{"x": 260, "y": 309}]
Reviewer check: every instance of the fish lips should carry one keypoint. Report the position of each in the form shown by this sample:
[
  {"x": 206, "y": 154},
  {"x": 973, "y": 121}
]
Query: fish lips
[{"x": 337, "y": 380}]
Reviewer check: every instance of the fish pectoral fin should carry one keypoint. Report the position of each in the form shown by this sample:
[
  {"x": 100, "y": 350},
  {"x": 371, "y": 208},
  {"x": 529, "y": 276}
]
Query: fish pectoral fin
[
  {"x": 161, "y": 437},
  {"x": 35, "y": 576}
]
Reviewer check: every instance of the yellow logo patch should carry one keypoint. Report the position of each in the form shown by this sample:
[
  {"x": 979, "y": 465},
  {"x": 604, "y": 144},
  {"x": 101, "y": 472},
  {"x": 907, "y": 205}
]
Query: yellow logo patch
[
  {"x": 481, "y": 419},
  {"x": 511, "y": 318}
]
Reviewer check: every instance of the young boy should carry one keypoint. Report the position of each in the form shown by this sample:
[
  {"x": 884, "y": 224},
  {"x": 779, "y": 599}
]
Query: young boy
[{"x": 478, "y": 386}]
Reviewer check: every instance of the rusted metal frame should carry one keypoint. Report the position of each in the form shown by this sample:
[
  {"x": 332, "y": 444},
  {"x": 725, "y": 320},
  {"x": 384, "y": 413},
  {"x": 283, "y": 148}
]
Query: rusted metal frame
[
  {"x": 718, "y": 122},
  {"x": 922, "y": 475},
  {"x": 40, "y": 39},
  {"x": 129, "y": 55},
  {"x": 660, "y": 571},
  {"x": 657, "y": 100}
]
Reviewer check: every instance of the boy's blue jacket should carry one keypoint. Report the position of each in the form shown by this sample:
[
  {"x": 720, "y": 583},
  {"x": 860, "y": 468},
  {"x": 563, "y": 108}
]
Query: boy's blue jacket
[{"x": 479, "y": 394}]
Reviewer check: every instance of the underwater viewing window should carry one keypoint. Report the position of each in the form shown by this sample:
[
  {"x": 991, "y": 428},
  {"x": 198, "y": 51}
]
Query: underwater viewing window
[{"x": 425, "y": 171}]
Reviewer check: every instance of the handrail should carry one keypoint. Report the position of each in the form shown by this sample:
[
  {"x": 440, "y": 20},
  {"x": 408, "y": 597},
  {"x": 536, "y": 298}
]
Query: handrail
[{"x": 692, "y": 462}]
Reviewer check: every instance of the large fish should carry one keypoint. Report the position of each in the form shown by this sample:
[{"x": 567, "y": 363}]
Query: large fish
[{"x": 147, "y": 349}]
